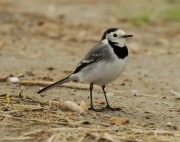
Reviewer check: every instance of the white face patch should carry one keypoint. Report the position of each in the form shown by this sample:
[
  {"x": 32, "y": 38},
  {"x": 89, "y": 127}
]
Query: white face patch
[
  {"x": 120, "y": 33},
  {"x": 116, "y": 36}
]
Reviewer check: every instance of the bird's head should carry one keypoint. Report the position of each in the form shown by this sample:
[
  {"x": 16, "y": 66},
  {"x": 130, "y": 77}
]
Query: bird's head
[{"x": 116, "y": 36}]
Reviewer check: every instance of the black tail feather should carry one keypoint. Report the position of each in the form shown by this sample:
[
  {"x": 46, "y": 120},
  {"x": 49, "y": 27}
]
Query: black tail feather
[{"x": 67, "y": 79}]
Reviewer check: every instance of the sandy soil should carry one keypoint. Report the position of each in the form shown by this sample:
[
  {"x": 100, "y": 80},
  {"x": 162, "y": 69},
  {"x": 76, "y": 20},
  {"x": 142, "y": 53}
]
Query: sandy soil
[{"x": 45, "y": 40}]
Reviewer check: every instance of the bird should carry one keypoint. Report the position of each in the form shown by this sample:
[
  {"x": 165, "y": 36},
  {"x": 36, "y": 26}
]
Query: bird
[{"x": 103, "y": 64}]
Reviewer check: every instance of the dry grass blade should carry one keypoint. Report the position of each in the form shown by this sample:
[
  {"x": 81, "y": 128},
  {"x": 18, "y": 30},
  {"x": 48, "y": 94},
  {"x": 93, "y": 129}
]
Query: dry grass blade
[
  {"x": 65, "y": 129},
  {"x": 106, "y": 125},
  {"x": 175, "y": 93},
  {"x": 130, "y": 140},
  {"x": 82, "y": 129},
  {"x": 20, "y": 138},
  {"x": 60, "y": 117},
  {"x": 56, "y": 137},
  {"x": 4, "y": 79},
  {"x": 29, "y": 107},
  {"x": 8, "y": 112},
  {"x": 158, "y": 132},
  {"x": 39, "y": 121},
  {"x": 163, "y": 132},
  {"x": 3, "y": 95},
  {"x": 20, "y": 92},
  {"x": 7, "y": 98},
  {"x": 51, "y": 139},
  {"x": 83, "y": 122},
  {"x": 155, "y": 134},
  {"x": 106, "y": 136},
  {"x": 32, "y": 133},
  {"x": 25, "y": 119}
]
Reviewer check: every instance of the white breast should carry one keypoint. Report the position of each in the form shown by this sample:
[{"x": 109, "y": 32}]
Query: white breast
[{"x": 103, "y": 72}]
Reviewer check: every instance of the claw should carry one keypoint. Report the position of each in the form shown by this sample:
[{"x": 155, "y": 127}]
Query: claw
[
  {"x": 113, "y": 109},
  {"x": 97, "y": 110}
]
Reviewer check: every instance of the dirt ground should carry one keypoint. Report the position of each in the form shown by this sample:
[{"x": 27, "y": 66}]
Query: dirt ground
[{"x": 45, "y": 40}]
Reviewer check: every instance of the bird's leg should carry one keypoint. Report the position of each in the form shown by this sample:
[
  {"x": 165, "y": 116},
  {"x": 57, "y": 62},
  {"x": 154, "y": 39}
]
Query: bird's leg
[
  {"x": 91, "y": 88},
  {"x": 91, "y": 107},
  {"x": 107, "y": 104}
]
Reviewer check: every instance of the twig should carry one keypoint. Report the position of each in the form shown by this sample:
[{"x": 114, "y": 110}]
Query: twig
[
  {"x": 33, "y": 132},
  {"x": 3, "y": 95},
  {"x": 66, "y": 129},
  {"x": 56, "y": 138},
  {"x": 8, "y": 112},
  {"x": 60, "y": 117},
  {"x": 20, "y": 92},
  {"x": 4, "y": 79},
  {"x": 61, "y": 123},
  {"x": 80, "y": 129},
  {"x": 104, "y": 124},
  {"x": 15, "y": 138},
  {"x": 52, "y": 138},
  {"x": 156, "y": 132},
  {"x": 175, "y": 93},
  {"x": 130, "y": 140},
  {"x": 31, "y": 107},
  {"x": 56, "y": 122},
  {"x": 95, "y": 123},
  {"x": 39, "y": 121},
  {"x": 78, "y": 123}
]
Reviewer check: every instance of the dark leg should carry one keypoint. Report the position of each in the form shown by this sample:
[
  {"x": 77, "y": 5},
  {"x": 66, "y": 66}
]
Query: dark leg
[
  {"x": 91, "y": 88},
  {"x": 108, "y": 106},
  {"x": 91, "y": 107}
]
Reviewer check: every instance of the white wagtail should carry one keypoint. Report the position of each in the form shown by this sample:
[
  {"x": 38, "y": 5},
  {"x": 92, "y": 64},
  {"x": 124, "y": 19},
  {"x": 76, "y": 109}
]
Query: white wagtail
[{"x": 104, "y": 63}]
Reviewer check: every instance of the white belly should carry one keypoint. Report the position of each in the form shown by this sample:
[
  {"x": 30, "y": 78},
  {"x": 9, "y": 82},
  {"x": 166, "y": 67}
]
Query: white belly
[{"x": 102, "y": 73}]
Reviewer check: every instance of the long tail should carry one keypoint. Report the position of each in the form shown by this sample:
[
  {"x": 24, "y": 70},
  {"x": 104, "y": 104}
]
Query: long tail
[{"x": 62, "y": 81}]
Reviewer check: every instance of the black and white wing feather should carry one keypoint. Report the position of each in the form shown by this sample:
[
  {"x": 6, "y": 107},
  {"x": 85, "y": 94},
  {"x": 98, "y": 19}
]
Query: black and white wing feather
[{"x": 94, "y": 55}]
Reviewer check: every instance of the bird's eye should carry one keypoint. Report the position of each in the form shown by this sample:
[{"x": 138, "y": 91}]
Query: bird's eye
[{"x": 115, "y": 35}]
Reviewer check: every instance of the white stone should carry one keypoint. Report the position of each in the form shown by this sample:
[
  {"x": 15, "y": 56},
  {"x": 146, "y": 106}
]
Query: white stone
[{"x": 14, "y": 79}]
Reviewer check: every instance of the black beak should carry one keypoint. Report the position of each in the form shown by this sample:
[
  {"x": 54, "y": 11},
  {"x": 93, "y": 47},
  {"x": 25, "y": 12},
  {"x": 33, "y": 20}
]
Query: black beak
[{"x": 126, "y": 36}]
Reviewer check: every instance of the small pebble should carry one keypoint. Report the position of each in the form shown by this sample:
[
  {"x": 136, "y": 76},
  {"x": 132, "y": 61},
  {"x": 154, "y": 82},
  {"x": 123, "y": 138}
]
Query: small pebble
[
  {"x": 14, "y": 79},
  {"x": 169, "y": 124},
  {"x": 71, "y": 106},
  {"x": 83, "y": 105},
  {"x": 99, "y": 101},
  {"x": 134, "y": 91},
  {"x": 119, "y": 120}
]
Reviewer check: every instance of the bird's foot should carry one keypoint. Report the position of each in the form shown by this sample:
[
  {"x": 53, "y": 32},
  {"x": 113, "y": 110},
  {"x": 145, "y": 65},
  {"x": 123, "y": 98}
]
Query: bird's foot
[
  {"x": 97, "y": 110},
  {"x": 113, "y": 109}
]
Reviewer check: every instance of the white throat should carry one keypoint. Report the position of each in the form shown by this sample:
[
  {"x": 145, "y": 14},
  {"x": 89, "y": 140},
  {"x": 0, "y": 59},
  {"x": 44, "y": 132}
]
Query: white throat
[{"x": 120, "y": 43}]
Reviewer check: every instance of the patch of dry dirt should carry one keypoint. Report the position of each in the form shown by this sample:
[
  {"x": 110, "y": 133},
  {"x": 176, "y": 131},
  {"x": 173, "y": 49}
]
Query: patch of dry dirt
[{"x": 45, "y": 40}]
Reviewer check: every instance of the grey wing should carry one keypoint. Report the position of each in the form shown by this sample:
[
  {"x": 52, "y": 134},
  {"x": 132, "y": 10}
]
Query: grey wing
[{"x": 94, "y": 55}]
